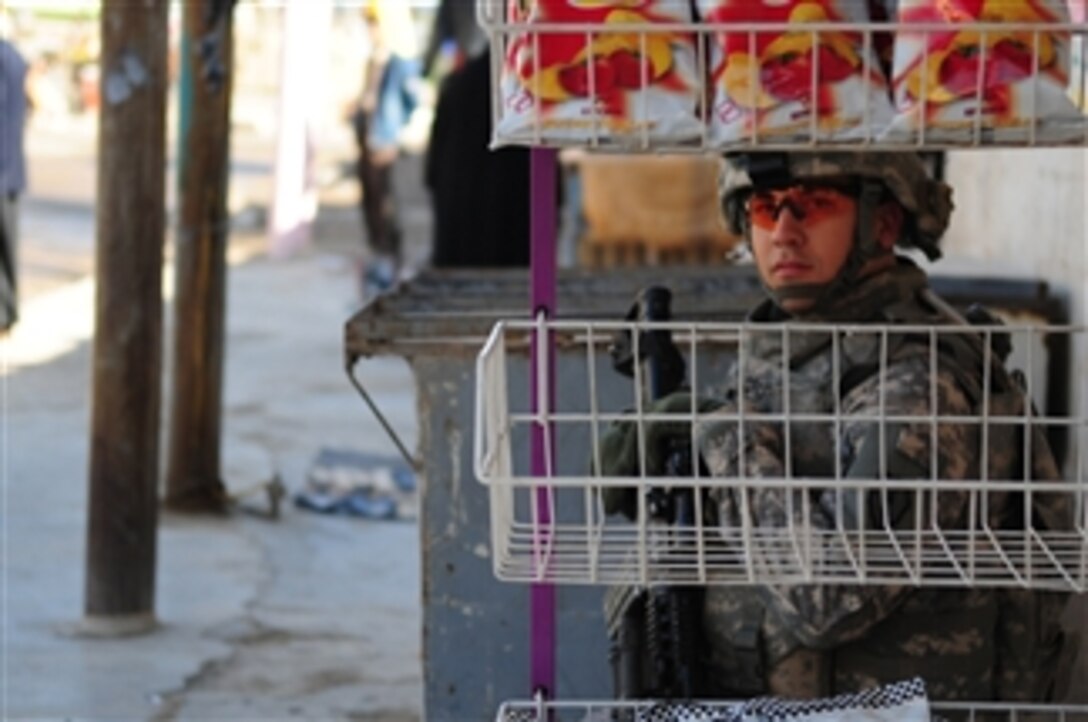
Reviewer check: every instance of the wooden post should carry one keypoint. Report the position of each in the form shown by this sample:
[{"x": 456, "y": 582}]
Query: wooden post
[
  {"x": 127, "y": 363},
  {"x": 193, "y": 475}
]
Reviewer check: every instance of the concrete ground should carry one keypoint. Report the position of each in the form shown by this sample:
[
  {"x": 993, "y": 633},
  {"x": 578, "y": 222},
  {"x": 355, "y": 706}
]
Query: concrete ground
[{"x": 304, "y": 616}]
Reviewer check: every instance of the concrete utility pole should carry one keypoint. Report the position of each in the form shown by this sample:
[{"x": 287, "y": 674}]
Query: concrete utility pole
[
  {"x": 127, "y": 363},
  {"x": 193, "y": 475}
]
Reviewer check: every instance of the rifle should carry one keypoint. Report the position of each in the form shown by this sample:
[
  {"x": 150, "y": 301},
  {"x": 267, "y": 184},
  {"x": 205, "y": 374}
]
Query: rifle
[{"x": 655, "y": 632}]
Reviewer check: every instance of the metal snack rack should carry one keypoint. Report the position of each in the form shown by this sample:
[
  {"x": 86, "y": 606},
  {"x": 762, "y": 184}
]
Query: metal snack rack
[
  {"x": 858, "y": 544},
  {"x": 548, "y": 519},
  {"x": 1068, "y": 128},
  {"x": 649, "y": 711}
]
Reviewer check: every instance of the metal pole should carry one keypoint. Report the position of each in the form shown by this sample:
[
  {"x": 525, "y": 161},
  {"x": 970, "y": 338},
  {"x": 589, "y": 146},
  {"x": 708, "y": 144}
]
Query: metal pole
[
  {"x": 193, "y": 475},
  {"x": 127, "y": 357},
  {"x": 543, "y": 293}
]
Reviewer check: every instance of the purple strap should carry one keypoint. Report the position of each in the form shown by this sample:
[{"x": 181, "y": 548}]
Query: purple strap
[{"x": 543, "y": 293}]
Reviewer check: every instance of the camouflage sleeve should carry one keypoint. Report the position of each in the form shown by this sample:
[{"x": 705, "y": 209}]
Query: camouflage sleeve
[
  {"x": 824, "y": 616},
  {"x": 918, "y": 445}
]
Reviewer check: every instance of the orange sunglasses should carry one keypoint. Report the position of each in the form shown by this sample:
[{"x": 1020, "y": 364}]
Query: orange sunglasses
[{"x": 809, "y": 204}]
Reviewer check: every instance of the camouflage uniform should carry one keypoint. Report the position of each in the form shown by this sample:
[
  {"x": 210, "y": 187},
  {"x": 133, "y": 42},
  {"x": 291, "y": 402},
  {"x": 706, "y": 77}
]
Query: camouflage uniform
[
  {"x": 825, "y": 639},
  {"x": 816, "y": 640}
]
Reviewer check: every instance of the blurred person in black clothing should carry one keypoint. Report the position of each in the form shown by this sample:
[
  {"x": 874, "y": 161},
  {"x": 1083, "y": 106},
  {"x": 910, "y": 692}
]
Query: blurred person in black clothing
[
  {"x": 480, "y": 197},
  {"x": 454, "y": 23}
]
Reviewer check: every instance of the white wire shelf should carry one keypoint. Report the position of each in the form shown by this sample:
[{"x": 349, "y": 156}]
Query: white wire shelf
[
  {"x": 731, "y": 80},
  {"x": 659, "y": 711},
  {"x": 983, "y": 516}
]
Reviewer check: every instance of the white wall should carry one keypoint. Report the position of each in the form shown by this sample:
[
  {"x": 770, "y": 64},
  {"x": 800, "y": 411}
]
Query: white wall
[{"x": 1025, "y": 213}]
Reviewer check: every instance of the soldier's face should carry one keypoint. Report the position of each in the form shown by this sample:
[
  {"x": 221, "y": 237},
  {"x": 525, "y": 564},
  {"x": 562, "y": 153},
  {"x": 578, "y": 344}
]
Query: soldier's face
[{"x": 801, "y": 235}]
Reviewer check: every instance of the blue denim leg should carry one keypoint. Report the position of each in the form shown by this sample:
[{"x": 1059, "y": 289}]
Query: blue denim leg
[{"x": 396, "y": 102}]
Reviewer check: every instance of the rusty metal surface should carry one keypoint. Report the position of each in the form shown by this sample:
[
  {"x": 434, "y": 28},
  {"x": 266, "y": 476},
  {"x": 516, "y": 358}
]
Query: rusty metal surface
[
  {"x": 454, "y": 310},
  {"x": 451, "y": 311}
]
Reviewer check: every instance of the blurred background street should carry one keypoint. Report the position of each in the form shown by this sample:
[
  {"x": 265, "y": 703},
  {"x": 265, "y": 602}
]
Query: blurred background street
[
  {"x": 57, "y": 214},
  {"x": 260, "y": 616}
]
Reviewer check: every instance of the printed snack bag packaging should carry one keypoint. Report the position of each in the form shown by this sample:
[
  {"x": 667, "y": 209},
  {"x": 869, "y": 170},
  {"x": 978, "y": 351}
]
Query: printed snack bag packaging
[
  {"x": 956, "y": 79},
  {"x": 615, "y": 83},
  {"x": 793, "y": 85}
]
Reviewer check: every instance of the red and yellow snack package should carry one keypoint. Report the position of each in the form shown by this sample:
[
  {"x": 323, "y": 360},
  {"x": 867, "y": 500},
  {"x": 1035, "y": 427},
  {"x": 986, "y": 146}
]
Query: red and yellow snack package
[
  {"x": 794, "y": 84},
  {"x": 616, "y": 78},
  {"x": 966, "y": 76}
]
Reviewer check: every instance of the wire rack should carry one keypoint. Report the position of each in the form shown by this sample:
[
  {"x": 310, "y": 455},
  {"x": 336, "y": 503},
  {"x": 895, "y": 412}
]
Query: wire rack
[
  {"x": 988, "y": 515},
  {"x": 658, "y": 711},
  {"x": 732, "y": 81}
]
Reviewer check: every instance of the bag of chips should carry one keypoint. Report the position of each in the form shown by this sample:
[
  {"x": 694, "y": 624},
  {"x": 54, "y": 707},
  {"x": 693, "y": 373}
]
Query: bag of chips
[
  {"x": 794, "y": 84},
  {"x": 967, "y": 78},
  {"x": 619, "y": 83}
]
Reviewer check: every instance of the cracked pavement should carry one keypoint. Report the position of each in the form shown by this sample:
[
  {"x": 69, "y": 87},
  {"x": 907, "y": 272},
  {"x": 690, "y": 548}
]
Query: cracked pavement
[{"x": 304, "y": 617}]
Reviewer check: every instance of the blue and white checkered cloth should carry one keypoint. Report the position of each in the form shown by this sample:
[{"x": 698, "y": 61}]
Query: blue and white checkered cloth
[{"x": 899, "y": 702}]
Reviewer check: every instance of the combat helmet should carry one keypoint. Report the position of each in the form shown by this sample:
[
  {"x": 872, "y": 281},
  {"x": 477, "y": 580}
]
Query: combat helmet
[{"x": 880, "y": 174}]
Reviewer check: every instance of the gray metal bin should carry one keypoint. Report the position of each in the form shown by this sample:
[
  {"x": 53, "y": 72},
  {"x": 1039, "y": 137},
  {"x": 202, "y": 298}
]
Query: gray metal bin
[{"x": 475, "y": 628}]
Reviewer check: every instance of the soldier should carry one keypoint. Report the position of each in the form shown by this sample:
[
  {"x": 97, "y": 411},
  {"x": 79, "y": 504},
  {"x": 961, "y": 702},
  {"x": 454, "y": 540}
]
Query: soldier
[{"x": 822, "y": 229}]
